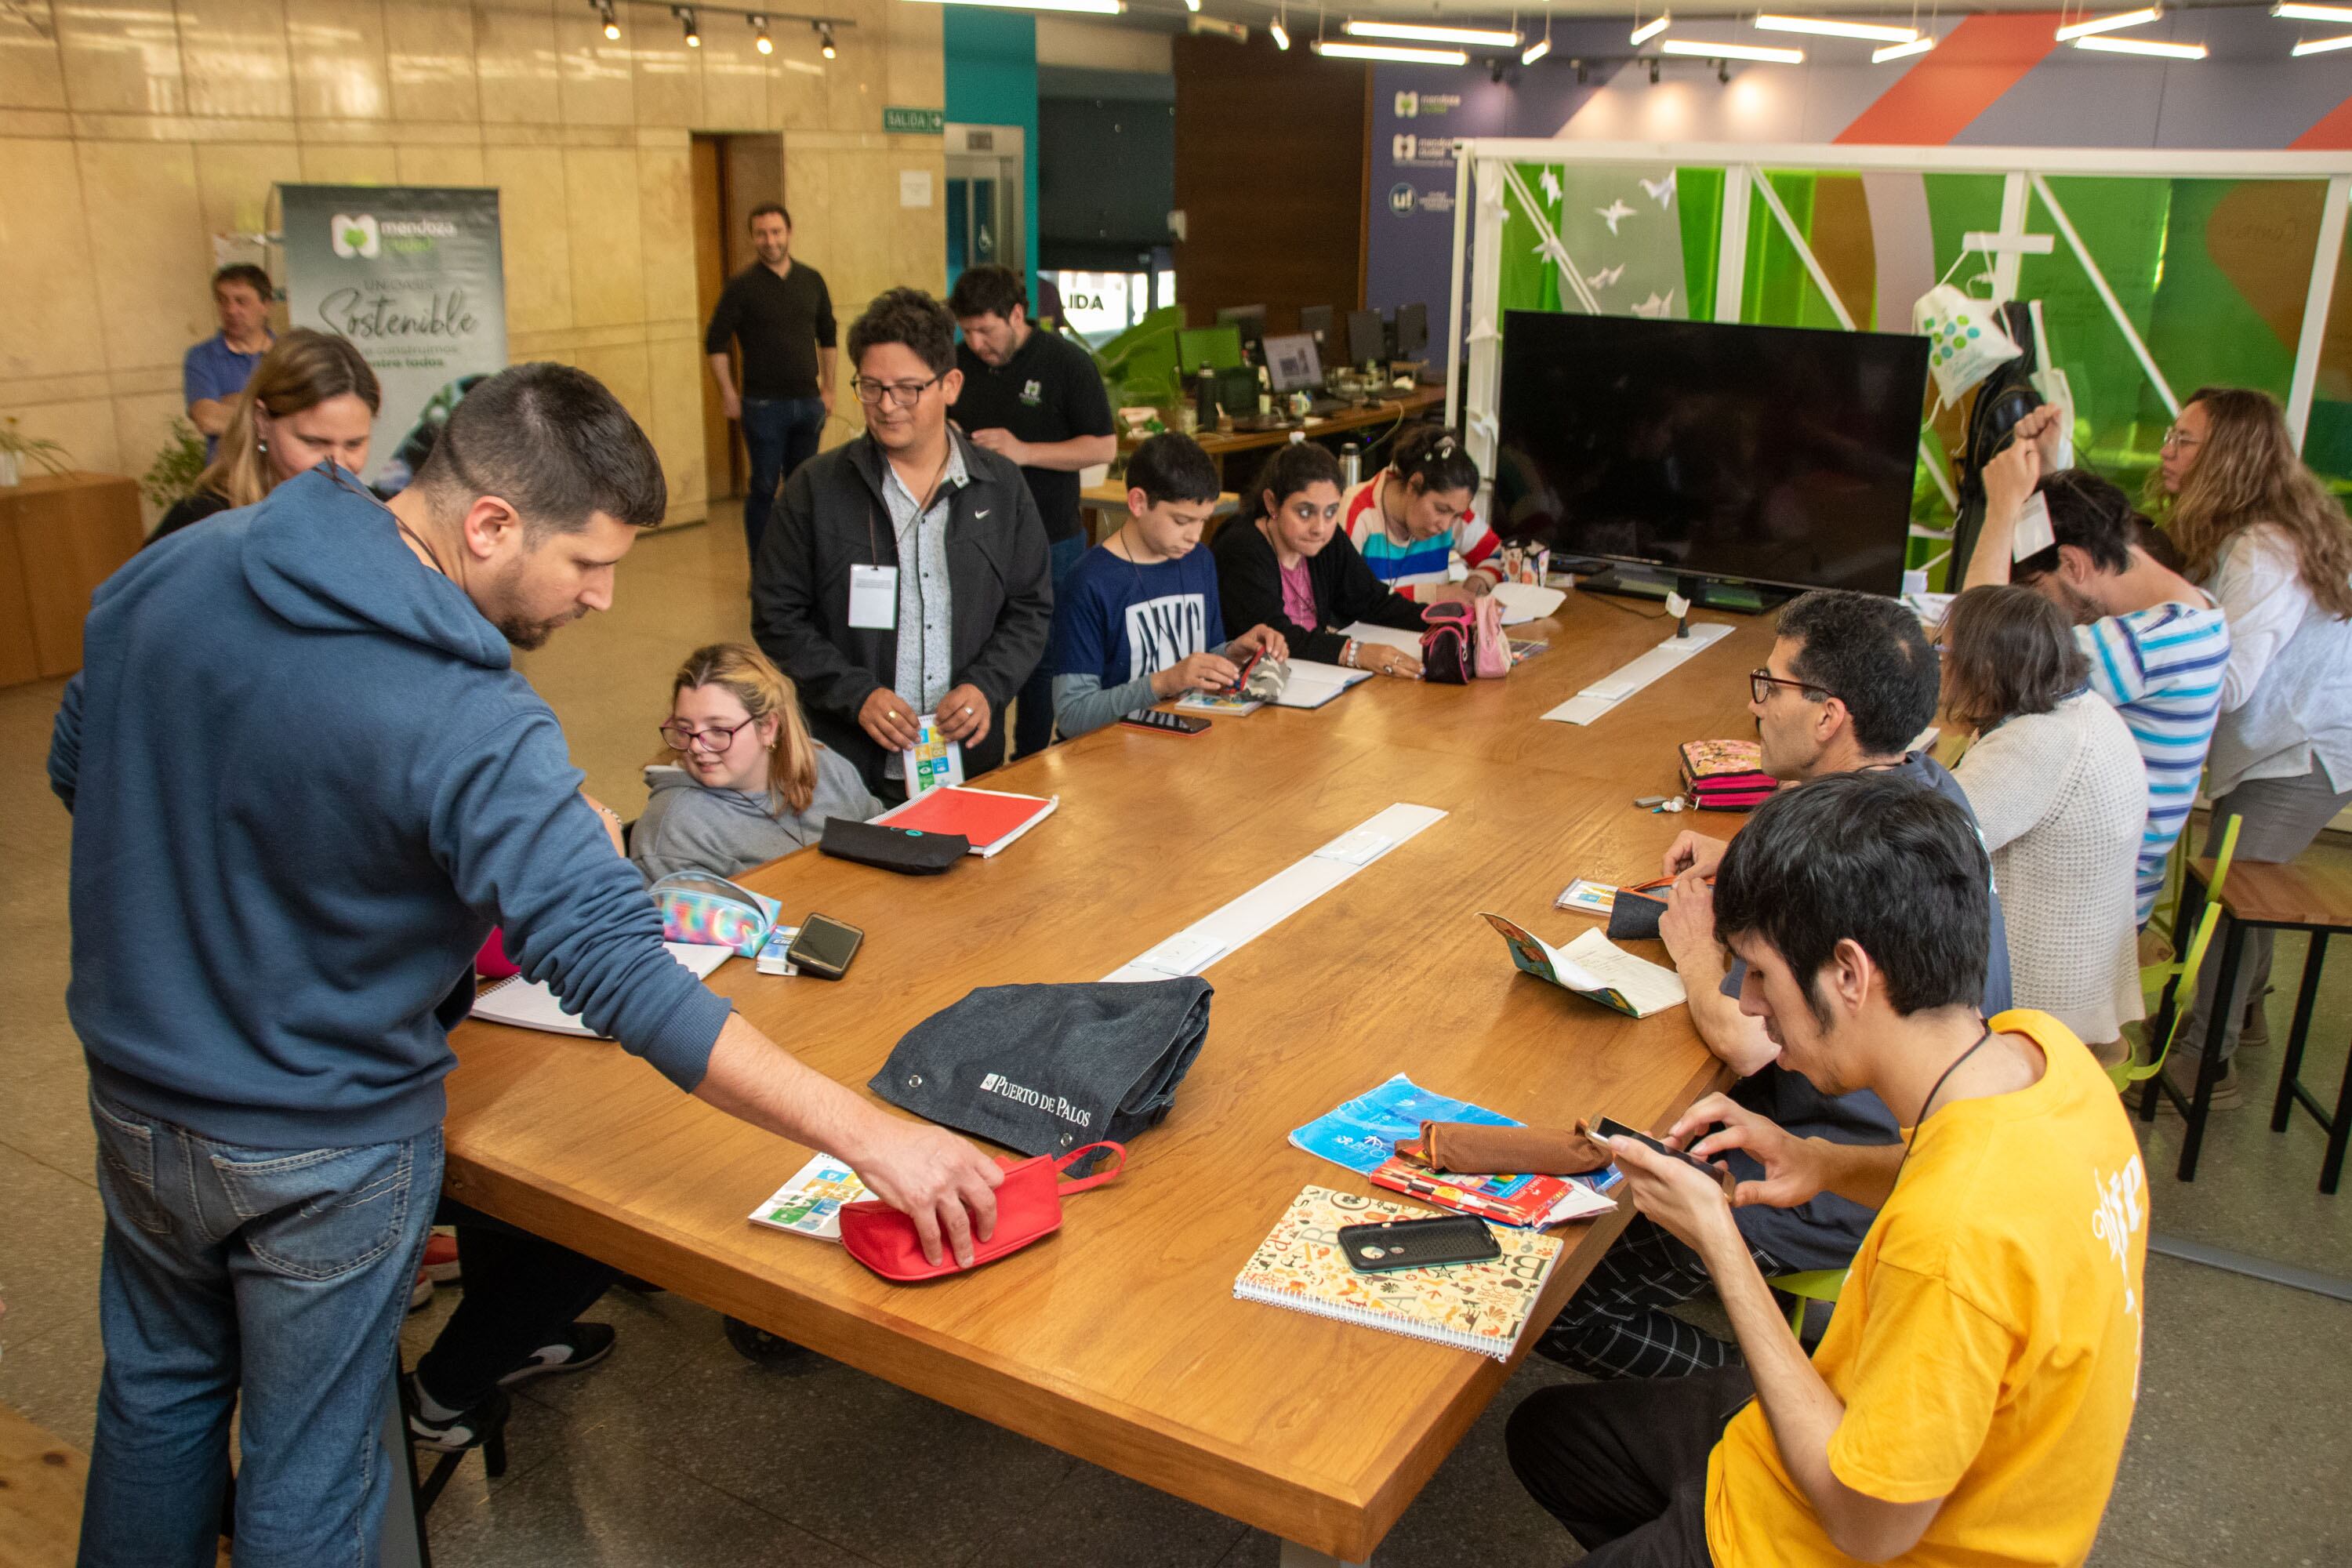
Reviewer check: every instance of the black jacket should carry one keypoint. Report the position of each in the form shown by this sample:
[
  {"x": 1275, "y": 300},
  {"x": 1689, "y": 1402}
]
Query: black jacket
[
  {"x": 1249, "y": 588},
  {"x": 831, "y": 517}
]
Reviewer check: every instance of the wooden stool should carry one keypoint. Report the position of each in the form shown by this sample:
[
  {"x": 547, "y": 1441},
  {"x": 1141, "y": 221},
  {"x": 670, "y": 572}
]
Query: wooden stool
[{"x": 2294, "y": 896}]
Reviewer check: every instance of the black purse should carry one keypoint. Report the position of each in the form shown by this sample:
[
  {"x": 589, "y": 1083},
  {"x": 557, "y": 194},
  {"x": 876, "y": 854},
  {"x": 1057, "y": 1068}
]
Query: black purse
[{"x": 902, "y": 850}]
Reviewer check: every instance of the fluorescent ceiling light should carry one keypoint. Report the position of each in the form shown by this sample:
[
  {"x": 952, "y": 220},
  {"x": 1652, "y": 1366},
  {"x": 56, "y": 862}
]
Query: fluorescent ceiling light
[
  {"x": 1494, "y": 37},
  {"x": 1281, "y": 35},
  {"x": 1900, "y": 51},
  {"x": 2109, "y": 23},
  {"x": 1699, "y": 48},
  {"x": 1536, "y": 51},
  {"x": 1878, "y": 32},
  {"x": 2323, "y": 45},
  {"x": 1098, "y": 8},
  {"x": 1648, "y": 30},
  {"x": 2142, "y": 46},
  {"x": 1394, "y": 52},
  {"x": 2301, "y": 13}
]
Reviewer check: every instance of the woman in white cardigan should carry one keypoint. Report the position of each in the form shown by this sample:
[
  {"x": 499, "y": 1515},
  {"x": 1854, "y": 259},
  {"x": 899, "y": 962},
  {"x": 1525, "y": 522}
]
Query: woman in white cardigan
[{"x": 2061, "y": 794}]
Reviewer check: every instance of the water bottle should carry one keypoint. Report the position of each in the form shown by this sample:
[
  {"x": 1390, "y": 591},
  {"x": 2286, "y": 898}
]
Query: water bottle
[
  {"x": 1351, "y": 464},
  {"x": 1204, "y": 397}
]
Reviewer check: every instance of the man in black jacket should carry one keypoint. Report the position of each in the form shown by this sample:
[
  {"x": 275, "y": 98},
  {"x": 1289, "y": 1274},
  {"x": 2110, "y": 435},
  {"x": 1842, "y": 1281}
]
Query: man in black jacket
[{"x": 905, "y": 573}]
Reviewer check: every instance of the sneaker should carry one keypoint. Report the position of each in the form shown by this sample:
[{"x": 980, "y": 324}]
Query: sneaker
[
  {"x": 2254, "y": 1033},
  {"x": 576, "y": 1349},
  {"x": 421, "y": 1293},
  {"x": 441, "y": 1259},
  {"x": 455, "y": 1431},
  {"x": 2180, "y": 1070}
]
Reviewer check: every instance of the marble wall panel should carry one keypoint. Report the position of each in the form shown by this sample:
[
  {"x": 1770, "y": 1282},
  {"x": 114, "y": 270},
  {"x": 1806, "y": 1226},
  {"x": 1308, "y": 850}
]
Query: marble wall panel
[
  {"x": 31, "y": 74},
  {"x": 234, "y": 181},
  {"x": 608, "y": 275},
  {"x": 596, "y": 78},
  {"x": 233, "y": 56},
  {"x": 536, "y": 234},
  {"x": 337, "y": 49},
  {"x": 147, "y": 249},
  {"x": 666, "y": 229},
  {"x": 121, "y": 57},
  {"x": 515, "y": 61},
  {"x": 45, "y": 266},
  {"x": 429, "y": 57}
]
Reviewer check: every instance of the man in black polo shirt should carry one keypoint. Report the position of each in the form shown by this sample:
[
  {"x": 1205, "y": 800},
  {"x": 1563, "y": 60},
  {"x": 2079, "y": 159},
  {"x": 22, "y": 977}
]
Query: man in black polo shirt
[
  {"x": 778, "y": 310},
  {"x": 1033, "y": 398}
]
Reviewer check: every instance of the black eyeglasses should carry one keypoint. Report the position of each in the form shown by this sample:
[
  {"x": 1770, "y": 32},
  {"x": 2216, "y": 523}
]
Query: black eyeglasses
[
  {"x": 1760, "y": 683},
  {"x": 905, "y": 394},
  {"x": 714, "y": 740}
]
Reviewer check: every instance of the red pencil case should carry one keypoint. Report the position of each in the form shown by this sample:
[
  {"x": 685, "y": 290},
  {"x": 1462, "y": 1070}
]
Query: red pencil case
[
  {"x": 1028, "y": 1208},
  {"x": 1725, "y": 775}
]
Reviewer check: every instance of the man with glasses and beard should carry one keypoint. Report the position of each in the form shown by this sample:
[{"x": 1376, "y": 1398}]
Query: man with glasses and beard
[
  {"x": 905, "y": 573},
  {"x": 1850, "y": 682}
]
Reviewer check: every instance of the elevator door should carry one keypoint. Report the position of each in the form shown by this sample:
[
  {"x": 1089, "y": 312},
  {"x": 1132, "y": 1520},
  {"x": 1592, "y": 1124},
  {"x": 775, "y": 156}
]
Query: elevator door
[{"x": 985, "y": 223}]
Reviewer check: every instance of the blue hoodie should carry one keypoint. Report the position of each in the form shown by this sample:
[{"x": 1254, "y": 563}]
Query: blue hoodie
[{"x": 306, "y": 780}]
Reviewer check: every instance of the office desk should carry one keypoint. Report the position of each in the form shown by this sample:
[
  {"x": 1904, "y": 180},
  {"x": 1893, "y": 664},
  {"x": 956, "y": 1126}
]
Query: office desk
[
  {"x": 1423, "y": 402},
  {"x": 1119, "y": 1340}
]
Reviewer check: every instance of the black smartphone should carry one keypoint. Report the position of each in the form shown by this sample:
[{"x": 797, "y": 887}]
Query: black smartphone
[
  {"x": 1609, "y": 1127},
  {"x": 1159, "y": 723},
  {"x": 1418, "y": 1243},
  {"x": 824, "y": 947}
]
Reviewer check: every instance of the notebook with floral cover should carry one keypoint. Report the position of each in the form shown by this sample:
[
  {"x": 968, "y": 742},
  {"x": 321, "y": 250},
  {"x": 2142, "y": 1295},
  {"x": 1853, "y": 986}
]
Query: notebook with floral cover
[
  {"x": 1727, "y": 775},
  {"x": 1480, "y": 1306}
]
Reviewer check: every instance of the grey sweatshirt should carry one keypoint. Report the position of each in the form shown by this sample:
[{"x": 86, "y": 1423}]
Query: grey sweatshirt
[{"x": 686, "y": 827}]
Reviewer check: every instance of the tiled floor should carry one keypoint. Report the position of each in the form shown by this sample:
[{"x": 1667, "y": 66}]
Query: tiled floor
[{"x": 678, "y": 1451}]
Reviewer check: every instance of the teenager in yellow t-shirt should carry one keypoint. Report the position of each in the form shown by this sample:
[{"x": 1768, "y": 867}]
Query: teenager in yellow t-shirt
[{"x": 1969, "y": 1402}]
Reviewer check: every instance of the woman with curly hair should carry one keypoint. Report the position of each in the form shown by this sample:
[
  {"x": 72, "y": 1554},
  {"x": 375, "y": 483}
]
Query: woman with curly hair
[{"x": 2261, "y": 534}]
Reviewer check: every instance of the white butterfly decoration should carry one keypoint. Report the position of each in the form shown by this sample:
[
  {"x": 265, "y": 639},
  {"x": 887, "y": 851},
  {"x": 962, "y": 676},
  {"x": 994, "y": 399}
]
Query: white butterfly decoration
[
  {"x": 1605, "y": 277},
  {"x": 1653, "y": 306},
  {"x": 1614, "y": 212},
  {"x": 1660, "y": 191},
  {"x": 1550, "y": 180}
]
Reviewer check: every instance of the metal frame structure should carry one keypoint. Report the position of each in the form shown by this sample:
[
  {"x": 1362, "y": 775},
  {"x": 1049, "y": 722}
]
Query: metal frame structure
[{"x": 1486, "y": 169}]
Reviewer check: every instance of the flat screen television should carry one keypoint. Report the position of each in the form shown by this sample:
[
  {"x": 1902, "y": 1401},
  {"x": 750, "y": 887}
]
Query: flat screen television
[{"x": 1781, "y": 456}]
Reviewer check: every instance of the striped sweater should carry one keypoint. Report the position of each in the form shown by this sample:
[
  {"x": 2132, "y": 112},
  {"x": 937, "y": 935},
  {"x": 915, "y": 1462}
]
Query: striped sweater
[
  {"x": 1413, "y": 568},
  {"x": 2162, "y": 669}
]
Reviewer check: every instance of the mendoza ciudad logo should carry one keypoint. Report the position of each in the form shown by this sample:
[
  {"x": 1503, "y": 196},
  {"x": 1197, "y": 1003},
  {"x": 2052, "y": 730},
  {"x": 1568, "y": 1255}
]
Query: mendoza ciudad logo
[
  {"x": 1021, "y": 1094},
  {"x": 366, "y": 235}
]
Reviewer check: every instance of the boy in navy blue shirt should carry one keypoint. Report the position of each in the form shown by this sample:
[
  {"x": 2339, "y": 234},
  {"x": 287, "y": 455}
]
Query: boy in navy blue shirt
[{"x": 1137, "y": 620}]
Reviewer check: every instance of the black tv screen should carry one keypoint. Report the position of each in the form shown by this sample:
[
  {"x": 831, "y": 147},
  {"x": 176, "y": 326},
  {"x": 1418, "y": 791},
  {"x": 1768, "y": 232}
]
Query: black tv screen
[{"x": 1773, "y": 455}]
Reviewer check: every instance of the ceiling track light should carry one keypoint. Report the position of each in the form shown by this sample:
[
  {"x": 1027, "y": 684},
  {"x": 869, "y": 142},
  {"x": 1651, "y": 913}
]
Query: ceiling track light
[
  {"x": 2294, "y": 11},
  {"x": 823, "y": 31},
  {"x": 1700, "y": 50},
  {"x": 759, "y": 39},
  {"x": 1393, "y": 52},
  {"x": 1651, "y": 29},
  {"x": 612, "y": 23},
  {"x": 1537, "y": 49},
  {"x": 1653, "y": 73},
  {"x": 2322, "y": 46},
  {"x": 1192, "y": 4},
  {"x": 1489, "y": 37},
  {"x": 2093, "y": 26},
  {"x": 1827, "y": 27},
  {"x": 1919, "y": 45},
  {"x": 686, "y": 20}
]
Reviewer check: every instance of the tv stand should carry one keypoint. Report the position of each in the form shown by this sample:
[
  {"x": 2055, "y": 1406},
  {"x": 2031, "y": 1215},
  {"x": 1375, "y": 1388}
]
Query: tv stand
[{"x": 1655, "y": 583}]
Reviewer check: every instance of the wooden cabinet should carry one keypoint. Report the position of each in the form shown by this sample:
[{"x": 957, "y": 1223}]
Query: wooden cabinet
[{"x": 61, "y": 536}]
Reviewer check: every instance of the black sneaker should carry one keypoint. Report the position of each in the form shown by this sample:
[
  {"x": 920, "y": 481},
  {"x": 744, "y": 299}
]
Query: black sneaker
[
  {"x": 460, "y": 1432},
  {"x": 576, "y": 1349}
]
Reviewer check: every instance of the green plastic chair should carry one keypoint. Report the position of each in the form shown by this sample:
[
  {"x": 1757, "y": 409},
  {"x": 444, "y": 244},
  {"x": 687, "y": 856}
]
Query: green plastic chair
[
  {"x": 1814, "y": 1285},
  {"x": 2158, "y": 979}
]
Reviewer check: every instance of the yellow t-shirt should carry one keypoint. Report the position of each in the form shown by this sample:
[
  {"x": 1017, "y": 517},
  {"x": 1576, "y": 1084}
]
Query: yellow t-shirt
[{"x": 1987, "y": 1342}]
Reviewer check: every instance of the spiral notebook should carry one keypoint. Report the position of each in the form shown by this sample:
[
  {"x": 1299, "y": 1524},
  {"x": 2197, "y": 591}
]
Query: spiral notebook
[{"x": 1481, "y": 1307}]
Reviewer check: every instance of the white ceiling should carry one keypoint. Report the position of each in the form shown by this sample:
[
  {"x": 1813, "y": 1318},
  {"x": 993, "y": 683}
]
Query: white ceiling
[{"x": 1169, "y": 15}]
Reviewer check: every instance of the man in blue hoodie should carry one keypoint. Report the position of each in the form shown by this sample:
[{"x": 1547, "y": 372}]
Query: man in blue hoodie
[{"x": 305, "y": 780}]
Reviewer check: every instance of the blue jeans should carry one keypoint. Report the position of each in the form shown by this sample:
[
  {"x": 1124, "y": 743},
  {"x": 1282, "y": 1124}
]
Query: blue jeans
[
  {"x": 1033, "y": 730},
  {"x": 780, "y": 434},
  {"x": 277, "y": 1276}
]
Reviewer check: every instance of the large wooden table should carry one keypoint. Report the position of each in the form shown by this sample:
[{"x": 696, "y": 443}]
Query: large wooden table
[{"x": 1119, "y": 1340}]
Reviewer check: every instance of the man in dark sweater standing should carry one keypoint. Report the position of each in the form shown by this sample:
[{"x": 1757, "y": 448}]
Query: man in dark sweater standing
[
  {"x": 778, "y": 310},
  {"x": 1035, "y": 397},
  {"x": 906, "y": 574},
  {"x": 299, "y": 749}
]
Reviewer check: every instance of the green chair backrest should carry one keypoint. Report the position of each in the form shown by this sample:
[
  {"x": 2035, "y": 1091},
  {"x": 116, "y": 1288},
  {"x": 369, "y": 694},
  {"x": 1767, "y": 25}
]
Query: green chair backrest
[{"x": 2126, "y": 1073}]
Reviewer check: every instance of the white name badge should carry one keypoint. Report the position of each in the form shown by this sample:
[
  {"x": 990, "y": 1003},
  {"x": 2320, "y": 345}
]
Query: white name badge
[{"x": 873, "y": 597}]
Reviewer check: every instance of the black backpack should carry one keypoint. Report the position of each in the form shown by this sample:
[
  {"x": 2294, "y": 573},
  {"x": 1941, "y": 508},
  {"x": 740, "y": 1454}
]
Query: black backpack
[{"x": 2002, "y": 398}]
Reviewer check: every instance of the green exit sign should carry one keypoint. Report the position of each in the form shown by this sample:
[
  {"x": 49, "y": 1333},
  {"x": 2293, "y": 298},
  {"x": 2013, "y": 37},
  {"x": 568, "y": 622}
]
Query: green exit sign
[{"x": 914, "y": 121}]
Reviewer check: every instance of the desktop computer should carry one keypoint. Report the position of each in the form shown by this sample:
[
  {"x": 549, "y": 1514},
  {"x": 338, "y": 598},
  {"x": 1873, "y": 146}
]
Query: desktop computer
[
  {"x": 1250, "y": 321},
  {"x": 1367, "y": 337},
  {"x": 1314, "y": 320}
]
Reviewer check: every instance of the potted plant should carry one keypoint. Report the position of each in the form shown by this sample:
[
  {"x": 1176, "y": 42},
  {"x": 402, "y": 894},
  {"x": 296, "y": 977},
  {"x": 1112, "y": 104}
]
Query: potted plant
[
  {"x": 171, "y": 477},
  {"x": 16, "y": 447}
]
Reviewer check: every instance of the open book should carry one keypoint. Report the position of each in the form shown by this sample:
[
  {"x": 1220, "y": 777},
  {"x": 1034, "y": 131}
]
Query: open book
[
  {"x": 1594, "y": 967},
  {"x": 529, "y": 1004},
  {"x": 1311, "y": 685}
]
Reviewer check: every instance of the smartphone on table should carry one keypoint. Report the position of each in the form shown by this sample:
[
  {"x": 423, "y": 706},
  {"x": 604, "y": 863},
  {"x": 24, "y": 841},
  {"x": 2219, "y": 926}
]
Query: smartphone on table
[
  {"x": 1387, "y": 1245},
  {"x": 1159, "y": 723},
  {"x": 824, "y": 947}
]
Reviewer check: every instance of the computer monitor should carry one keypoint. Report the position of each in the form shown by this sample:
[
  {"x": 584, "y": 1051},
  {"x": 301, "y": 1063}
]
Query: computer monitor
[
  {"x": 1218, "y": 347},
  {"x": 1772, "y": 455},
  {"x": 1314, "y": 320},
  {"x": 1250, "y": 320},
  {"x": 1367, "y": 337},
  {"x": 1411, "y": 330},
  {"x": 1293, "y": 364}
]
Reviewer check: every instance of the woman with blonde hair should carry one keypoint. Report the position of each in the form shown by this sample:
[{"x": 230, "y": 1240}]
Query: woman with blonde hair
[
  {"x": 2259, "y": 532},
  {"x": 312, "y": 399},
  {"x": 749, "y": 782}
]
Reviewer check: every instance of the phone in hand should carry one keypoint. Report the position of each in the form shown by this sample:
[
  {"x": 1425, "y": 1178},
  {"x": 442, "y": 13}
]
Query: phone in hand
[
  {"x": 1159, "y": 723},
  {"x": 1377, "y": 1249},
  {"x": 824, "y": 947},
  {"x": 1609, "y": 1127},
  {"x": 1241, "y": 677}
]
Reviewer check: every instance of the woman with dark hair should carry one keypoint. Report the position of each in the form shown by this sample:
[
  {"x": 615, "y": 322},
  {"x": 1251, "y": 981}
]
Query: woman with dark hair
[
  {"x": 1286, "y": 562},
  {"x": 312, "y": 399},
  {"x": 2259, "y": 531},
  {"x": 1410, "y": 520},
  {"x": 2059, "y": 790}
]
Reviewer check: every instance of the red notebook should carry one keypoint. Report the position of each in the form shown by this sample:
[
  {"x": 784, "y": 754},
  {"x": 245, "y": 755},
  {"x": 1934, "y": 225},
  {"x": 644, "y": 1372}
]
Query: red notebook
[{"x": 989, "y": 818}]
